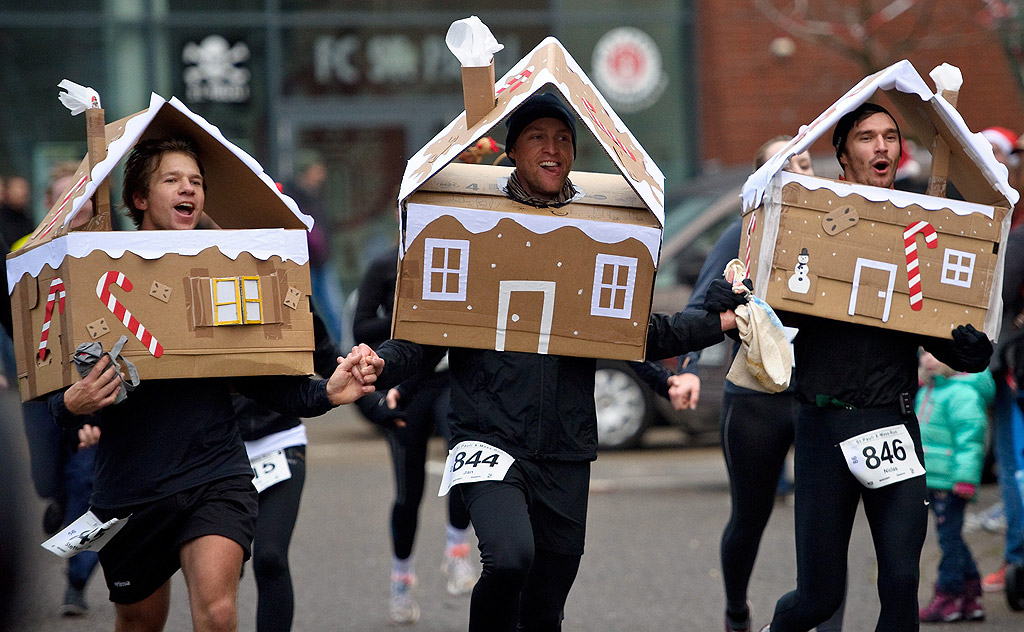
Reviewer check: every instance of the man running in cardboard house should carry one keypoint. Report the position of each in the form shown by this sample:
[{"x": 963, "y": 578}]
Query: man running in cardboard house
[{"x": 537, "y": 409}]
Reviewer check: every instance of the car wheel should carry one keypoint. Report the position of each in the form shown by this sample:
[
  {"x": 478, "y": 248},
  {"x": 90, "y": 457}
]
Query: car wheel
[{"x": 623, "y": 408}]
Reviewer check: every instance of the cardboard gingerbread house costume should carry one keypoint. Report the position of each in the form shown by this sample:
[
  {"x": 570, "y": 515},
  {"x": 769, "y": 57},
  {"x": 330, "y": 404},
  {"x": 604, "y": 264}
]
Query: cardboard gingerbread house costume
[
  {"x": 881, "y": 257},
  {"x": 192, "y": 303},
  {"x": 477, "y": 269}
]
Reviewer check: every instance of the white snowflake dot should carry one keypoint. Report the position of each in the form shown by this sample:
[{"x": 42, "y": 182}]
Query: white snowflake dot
[
  {"x": 494, "y": 265},
  {"x": 527, "y": 244},
  {"x": 469, "y": 307},
  {"x": 515, "y": 318}
]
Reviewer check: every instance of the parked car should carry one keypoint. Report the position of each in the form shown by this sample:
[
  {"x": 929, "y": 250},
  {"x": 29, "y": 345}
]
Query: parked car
[{"x": 626, "y": 406}]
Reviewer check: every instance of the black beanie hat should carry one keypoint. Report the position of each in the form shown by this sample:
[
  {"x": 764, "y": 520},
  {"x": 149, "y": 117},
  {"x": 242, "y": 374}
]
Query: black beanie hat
[
  {"x": 853, "y": 117},
  {"x": 543, "y": 105}
]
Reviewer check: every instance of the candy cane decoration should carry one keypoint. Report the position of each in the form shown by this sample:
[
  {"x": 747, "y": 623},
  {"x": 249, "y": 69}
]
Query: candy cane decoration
[
  {"x": 118, "y": 309},
  {"x": 750, "y": 235},
  {"x": 913, "y": 269},
  {"x": 56, "y": 295}
]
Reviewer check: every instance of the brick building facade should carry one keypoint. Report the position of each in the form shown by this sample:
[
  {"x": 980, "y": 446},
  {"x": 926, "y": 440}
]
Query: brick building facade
[{"x": 748, "y": 94}]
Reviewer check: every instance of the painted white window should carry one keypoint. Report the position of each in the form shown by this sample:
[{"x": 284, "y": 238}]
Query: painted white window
[
  {"x": 445, "y": 269},
  {"x": 614, "y": 280},
  {"x": 957, "y": 267},
  {"x": 237, "y": 300}
]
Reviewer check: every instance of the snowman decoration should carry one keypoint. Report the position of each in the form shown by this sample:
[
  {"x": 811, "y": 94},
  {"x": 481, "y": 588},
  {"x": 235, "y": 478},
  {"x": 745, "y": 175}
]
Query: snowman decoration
[{"x": 800, "y": 283}]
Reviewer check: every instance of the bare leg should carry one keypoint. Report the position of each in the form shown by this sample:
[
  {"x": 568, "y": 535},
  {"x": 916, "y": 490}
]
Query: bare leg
[{"x": 212, "y": 565}]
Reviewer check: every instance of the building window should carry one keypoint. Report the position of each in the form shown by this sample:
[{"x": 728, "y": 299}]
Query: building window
[
  {"x": 957, "y": 267},
  {"x": 614, "y": 279},
  {"x": 237, "y": 301},
  {"x": 445, "y": 269}
]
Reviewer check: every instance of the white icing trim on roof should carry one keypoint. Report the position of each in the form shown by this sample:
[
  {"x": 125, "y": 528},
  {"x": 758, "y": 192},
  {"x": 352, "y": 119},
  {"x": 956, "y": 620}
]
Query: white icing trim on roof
[
  {"x": 902, "y": 199},
  {"x": 476, "y": 222},
  {"x": 262, "y": 243},
  {"x": 133, "y": 130},
  {"x": 900, "y": 76}
]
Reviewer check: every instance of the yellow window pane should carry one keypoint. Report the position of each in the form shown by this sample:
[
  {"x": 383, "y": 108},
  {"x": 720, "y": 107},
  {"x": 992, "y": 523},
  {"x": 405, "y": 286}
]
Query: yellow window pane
[
  {"x": 224, "y": 291},
  {"x": 227, "y": 314},
  {"x": 251, "y": 289},
  {"x": 252, "y": 312}
]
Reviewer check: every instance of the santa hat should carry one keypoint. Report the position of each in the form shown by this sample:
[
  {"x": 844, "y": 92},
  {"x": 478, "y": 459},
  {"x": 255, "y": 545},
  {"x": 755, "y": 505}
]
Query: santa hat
[{"x": 1001, "y": 138}]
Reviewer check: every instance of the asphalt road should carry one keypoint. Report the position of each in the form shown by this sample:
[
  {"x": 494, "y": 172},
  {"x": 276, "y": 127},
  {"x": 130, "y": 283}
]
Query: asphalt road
[{"x": 656, "y": 516}]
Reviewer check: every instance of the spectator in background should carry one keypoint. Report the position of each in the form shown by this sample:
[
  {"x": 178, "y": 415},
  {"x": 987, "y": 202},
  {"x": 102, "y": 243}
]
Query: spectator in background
[
  {"x": 308, "y": 192},
  {"x": 15, "y": 214},
  {"x": 756, "y": 435},
  {"x": 1005, "y": 415},
  {"x": 952, "y": 410}
]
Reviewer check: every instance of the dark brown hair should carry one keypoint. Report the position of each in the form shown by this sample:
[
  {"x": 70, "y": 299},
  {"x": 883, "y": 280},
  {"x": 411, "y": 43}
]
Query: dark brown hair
[
  {"x": 852, "y": 118},
  {"x": 143, "y": 161}
]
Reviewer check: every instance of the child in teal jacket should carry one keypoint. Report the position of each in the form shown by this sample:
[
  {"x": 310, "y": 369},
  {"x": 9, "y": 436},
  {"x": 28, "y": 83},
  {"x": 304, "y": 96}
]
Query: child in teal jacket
[{"x": 952, "y": 410}]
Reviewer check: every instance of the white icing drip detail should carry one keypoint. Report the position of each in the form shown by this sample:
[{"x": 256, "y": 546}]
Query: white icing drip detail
[
  {"x": 902, "y": 199},
  {"x": 261, "y": 243},
  {"x": 476, "y": 222}
]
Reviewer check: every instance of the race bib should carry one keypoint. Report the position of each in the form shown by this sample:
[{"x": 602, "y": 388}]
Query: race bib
[
  {"x": 882, "y": 457},
  {"x": 472, "y": 462},
  {"x": 85, "y": 534},
  {"x": 270, "y": 469}
]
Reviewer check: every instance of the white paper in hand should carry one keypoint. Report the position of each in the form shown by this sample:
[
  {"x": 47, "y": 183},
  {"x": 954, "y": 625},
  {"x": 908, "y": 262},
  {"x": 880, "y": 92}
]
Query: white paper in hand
[
  {"x": 85, "y": 534},
  {"x": 471, "y": 42}
]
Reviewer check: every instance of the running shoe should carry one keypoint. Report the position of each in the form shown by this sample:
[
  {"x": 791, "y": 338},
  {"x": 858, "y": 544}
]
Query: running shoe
[
  {"x": 402, "y": 606},
  {"x": 74, "y": 602},
  {"x": 974, "y": 608},
  {"x": 459, "y": 570},
  {"x": 944, "y": 608},
  {"x": 995, "y": 582},
  {"x": 739, "y": 624}
]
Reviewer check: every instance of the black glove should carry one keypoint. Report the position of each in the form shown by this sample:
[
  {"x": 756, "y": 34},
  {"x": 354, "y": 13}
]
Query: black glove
[
  {"x": 721, "y": 298},
  {"x": 972, "y": 348}
]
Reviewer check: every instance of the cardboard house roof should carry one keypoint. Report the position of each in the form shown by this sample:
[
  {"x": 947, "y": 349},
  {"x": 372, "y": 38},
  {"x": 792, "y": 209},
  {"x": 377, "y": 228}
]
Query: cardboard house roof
[
  {"x": 239, "y": 195},
  {"x": 973, "y": 169},
  {"x": 547, "y": 64}
]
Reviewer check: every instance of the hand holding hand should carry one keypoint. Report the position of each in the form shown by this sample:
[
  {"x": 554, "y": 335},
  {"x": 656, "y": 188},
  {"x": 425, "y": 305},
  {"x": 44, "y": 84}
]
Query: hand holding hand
[
  {"x": 352, "y": 379},
  {"x": 684, "y": 391}
]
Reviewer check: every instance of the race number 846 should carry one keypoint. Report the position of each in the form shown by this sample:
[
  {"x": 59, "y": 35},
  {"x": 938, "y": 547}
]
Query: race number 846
[
  {"x": 881, "y": 457},
  {"x": 891, "y": 451}
]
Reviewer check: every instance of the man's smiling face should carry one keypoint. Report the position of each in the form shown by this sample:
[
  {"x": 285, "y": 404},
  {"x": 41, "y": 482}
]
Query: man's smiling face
[
  {"x": 872, "y": 151},
  {"x": 543, "y": 154},
  {"x": 176, "y": 197}
]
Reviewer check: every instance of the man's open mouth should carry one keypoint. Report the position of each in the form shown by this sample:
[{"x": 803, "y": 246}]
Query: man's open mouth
[
  {"x": 550, "y": 166},
  {"x": 881, "y": 166},
  {"x": 185, "y": 208}
]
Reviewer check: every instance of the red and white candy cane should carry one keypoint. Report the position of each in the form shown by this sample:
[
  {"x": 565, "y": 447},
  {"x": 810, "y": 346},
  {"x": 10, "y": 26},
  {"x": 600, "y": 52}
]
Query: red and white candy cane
[
  {"x": 913, "y": 269},
  {"x": 56, "y": 295},
  {"x": 119, "y": 310},
  {"x": 750, "y": 235}
]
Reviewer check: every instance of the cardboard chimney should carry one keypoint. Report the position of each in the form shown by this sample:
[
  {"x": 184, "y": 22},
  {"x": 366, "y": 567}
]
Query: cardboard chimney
[
  {"x": 197, "y": 303},
  {"x": 479, "y": 270},
  {"x": 882, "y": 257}
]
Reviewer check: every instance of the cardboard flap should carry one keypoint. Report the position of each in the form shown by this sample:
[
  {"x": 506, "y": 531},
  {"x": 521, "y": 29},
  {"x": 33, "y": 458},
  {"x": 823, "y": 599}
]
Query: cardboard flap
[
  {"x": 547, "y": 64},
  {"x": 972, "y": 168}
]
